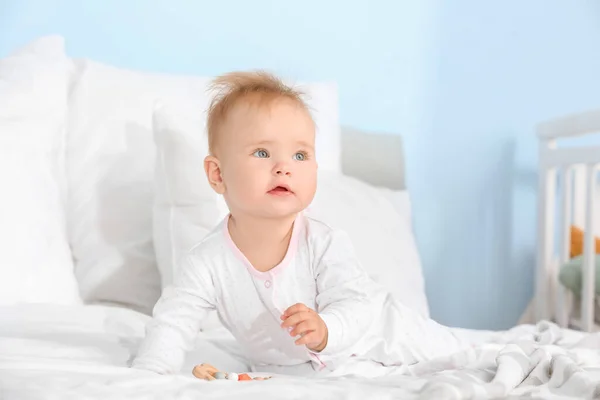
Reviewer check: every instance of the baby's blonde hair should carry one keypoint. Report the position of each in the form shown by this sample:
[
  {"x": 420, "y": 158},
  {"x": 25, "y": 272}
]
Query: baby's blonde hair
[{"x": 253, "y": 86}]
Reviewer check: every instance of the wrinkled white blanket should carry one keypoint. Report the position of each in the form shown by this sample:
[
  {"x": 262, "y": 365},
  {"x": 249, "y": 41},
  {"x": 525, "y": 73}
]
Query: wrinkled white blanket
[{"x": 57, "y": 352}]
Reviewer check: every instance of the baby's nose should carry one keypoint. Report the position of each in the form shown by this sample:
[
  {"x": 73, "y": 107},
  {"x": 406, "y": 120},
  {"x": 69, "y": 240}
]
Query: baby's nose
[{"x": 282, "y": 169}]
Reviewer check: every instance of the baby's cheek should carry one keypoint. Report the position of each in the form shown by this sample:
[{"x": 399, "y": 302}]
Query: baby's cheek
[{"x": 309, "y": 188}]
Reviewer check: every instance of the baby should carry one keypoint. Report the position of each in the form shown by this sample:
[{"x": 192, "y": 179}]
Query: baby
[{"x": 288, "y": 287}]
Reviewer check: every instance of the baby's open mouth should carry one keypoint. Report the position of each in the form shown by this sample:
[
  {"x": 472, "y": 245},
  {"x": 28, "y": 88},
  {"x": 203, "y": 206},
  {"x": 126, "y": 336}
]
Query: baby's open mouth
[{"x": 280, "y": 190}]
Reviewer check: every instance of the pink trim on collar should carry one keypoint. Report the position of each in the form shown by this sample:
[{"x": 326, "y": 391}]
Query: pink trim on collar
[{"x": 289, "y": 255}]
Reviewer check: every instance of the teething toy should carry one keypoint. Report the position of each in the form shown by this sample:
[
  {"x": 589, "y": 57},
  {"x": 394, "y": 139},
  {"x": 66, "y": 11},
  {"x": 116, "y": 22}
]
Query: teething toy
[
  {"x": 204, "y": 371},
  {"x": 244, "y": 377},
  {"x": 210, "y": 373},
  {"x": 232, "y": 376},
  {"x": 220, "y": 375}
]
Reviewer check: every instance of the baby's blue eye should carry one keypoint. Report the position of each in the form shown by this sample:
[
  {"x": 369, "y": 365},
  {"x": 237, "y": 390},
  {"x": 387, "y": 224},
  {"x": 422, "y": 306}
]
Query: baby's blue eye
[
  {"x": 261, "y": 153},
  {"x": 299, "y": 156}
]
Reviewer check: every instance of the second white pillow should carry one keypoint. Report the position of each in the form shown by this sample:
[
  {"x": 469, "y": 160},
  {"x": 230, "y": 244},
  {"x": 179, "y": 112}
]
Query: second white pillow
[{"x": 35, "y": 260}]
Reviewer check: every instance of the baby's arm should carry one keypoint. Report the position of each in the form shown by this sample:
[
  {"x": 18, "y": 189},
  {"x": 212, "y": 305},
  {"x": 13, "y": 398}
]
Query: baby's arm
[
  {"x": 346, "y": 295},
  {"x": 176, "y": 320}
]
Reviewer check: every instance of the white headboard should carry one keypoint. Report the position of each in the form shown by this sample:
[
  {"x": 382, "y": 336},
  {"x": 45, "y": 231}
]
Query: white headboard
[{"x": 376, "y": 158}]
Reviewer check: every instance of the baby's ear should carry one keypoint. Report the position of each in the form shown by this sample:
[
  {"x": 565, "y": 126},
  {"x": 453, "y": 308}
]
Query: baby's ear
[{"x": 212, "y": 167}]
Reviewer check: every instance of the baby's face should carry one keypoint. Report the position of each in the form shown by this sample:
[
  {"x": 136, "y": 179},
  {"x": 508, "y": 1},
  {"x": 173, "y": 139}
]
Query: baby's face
[{"x": 267, "y": 159}]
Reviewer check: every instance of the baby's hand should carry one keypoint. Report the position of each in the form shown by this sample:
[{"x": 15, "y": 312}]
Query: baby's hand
[{"x": 307, "y": 323}]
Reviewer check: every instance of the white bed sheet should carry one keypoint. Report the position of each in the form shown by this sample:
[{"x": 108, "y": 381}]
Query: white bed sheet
[{"x": 82, "y": 352}]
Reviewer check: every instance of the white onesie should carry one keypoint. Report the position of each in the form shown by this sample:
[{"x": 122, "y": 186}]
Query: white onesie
[{"x": 367, "y": 327}]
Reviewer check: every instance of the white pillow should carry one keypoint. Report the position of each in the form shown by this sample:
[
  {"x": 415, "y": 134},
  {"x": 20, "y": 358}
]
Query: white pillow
[
  {"x": 35, "y": 260},
  {"x": 400, "y": 199},
  {"x": 111, "y": 160},
  {"x": 379, "y": 223},
  {"x": 110, "y": 169},
  {"x": 322, "y": 99},
  {"x": 187, "y": 208}
]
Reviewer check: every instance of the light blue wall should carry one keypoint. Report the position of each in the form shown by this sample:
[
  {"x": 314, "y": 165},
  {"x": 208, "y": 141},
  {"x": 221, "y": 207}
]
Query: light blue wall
[
  {"x": 500, "y": 67},
  {"x": 368, "y": 47},
  {"x": 463, "y": 81}
]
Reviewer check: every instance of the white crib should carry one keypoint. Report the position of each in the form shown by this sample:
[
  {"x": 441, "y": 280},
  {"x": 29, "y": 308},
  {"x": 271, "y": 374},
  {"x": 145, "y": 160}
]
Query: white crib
[{"x": 572, "y": 171}]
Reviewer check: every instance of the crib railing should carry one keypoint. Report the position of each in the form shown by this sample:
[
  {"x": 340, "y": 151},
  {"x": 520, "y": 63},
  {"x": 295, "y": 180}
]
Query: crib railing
[{"x": 576, "y": 169}]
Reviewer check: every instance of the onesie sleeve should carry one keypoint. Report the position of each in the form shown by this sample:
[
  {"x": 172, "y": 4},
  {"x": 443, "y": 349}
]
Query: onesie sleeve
[
  {"x": 176, "y": 319},
  {"x": 345, "y": 297}
]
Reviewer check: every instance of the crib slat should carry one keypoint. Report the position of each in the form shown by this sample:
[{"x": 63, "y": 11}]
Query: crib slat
[
  {"x": 563, "y": 297},
  {"x": 579, "y": 191},
  {"x": 588, "y": 276},
  {"x": 546, "y": 207}
]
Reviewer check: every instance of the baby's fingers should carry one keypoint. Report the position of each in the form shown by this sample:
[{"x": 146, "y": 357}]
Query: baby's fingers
[
  {"x": 296, "y": 308},
  {"x": 308, "y": 339},
  {"x": 295, "y": 319},
  {"x": 303, "y": 327}
]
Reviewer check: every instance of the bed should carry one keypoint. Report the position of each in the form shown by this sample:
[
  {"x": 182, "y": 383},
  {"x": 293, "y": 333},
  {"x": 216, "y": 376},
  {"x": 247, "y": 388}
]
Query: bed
[
  {"x": 69, "y": 352},
  {"x": 107, "y": 196}
]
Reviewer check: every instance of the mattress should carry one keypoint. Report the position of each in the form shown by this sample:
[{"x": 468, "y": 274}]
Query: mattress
[{"x": 83, "y": 352}]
